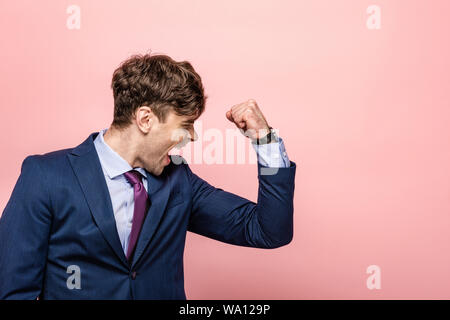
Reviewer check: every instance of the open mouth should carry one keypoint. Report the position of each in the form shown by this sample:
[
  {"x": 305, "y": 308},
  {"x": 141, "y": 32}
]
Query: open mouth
[{"x": 167, "y": 159}]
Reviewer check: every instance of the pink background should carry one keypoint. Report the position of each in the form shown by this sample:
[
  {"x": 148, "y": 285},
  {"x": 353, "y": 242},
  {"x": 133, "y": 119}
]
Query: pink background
[{"x": 364, "y": 114}]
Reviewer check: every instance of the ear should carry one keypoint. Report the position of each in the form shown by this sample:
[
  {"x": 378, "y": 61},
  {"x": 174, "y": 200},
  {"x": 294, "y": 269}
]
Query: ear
[{"x": 145, "y": 118}]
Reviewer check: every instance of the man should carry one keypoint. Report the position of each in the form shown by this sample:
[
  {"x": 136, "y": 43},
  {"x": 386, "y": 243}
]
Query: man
[{"x": 108, "y": 219}]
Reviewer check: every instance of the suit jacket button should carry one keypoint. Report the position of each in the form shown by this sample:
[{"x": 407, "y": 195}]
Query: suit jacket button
[{"x": 133, "y": 275}]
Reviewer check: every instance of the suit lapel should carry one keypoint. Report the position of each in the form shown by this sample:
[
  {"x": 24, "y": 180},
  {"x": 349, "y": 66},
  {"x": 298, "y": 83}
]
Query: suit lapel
[
  {"x": 158, "y": 193},
  {"x": 87, "y": 168}
]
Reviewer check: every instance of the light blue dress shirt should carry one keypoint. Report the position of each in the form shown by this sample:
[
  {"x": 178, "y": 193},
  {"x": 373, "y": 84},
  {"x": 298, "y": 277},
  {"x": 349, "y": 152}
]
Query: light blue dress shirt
[
  {"x": 273, "y": 154},
  {"x": 122, "y": 192}
]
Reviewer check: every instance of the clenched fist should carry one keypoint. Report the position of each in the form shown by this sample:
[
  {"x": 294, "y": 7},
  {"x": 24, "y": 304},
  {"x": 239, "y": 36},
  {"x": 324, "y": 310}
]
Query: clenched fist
[{"x": 248, "y": 117}]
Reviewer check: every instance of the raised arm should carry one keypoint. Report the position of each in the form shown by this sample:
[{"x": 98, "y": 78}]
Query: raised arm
[{"x": 229, "y": 218}]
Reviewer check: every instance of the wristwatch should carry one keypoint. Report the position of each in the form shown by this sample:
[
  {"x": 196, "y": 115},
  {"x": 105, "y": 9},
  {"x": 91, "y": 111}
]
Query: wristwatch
[{"x": 268, "y": 138}]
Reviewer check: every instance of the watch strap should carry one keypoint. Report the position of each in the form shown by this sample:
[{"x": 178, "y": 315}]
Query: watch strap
[{"x": 268, "y": 138}]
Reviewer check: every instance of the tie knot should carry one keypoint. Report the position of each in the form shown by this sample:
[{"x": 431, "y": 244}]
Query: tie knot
[{"x": 133, "y": 177}]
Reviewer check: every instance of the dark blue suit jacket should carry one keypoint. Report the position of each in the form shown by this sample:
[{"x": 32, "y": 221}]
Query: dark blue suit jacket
[{"x": 60, "y": 215}]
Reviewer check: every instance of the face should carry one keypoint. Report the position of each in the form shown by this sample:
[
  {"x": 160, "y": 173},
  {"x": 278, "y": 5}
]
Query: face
[{"x": 176, "y": 131}]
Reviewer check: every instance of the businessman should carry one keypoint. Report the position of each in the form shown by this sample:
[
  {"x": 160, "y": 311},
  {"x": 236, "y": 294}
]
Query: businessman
[{"x": 108, "y": 218}]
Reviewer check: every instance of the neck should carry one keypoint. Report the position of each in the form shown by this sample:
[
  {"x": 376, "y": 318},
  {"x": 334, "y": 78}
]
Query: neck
[{"x": 123, "y": 141}]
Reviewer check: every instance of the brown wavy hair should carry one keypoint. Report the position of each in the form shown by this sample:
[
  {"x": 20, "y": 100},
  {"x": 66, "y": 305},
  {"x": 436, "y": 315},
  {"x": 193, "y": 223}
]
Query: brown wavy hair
[{"x": 159, "y": 82}]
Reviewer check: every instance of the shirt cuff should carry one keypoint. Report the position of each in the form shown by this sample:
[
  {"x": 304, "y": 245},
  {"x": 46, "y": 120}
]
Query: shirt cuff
[{"x": 272, "y": 155}]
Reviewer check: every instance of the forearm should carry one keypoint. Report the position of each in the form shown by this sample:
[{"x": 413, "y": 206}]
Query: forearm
[{"x": 274, "y": 209}]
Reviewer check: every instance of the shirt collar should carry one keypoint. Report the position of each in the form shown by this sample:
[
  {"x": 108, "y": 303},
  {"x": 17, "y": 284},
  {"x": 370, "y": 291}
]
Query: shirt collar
[{"x": 113, "y": 164}]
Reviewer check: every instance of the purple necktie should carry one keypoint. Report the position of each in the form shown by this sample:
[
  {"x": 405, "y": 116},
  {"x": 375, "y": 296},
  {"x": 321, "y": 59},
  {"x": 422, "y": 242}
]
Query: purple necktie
[{"x": 141, "y": 204}]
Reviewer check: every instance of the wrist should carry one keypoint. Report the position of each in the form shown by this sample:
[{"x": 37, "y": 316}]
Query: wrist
[{"x": 270, "y": 137}]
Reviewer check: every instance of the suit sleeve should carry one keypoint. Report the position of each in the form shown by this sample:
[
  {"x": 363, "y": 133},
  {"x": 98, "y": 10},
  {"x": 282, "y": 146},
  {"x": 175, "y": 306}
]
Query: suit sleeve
[
  {"x": 24, "y": 234},
  {"x": 229, "y": 218}
]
